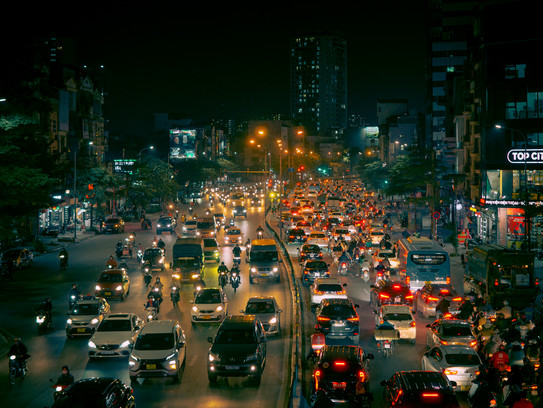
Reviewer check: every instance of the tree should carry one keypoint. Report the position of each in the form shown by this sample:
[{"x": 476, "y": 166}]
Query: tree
[{"x": 372, "y": 172}]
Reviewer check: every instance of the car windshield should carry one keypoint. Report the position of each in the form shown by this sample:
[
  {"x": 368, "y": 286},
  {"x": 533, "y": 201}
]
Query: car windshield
[
  {"x": 264, "y": 256},
  {"x": 114, "y": 325},
  {"x": 462, "y": 359},
  {"x": 233, "y": 231},
  {"x": 398, "y": 317},
  {"x": 317, "y": 235},
  {"x": 338, "y": 311},
  {"x": 210, "y": 243},
  {"x": 456, "y": 330},
  {"x": 164, "y": 221},
  {"x": 112, "y": 221},
  {"x": 316, "y": 265},
  {"x": 329, "y": 287},
  {"x": 85, "y": 309},
  {"x": 110, "y": 277},
  {"x": 206, "y": 225},
  {"x": 235, "y": 337},
  {"x": 260, "y": 307},
  {"x": 208, "y": 297},
  {"x": 152, "y": 252},
  {"x": 190, "y": 223},
  {"x": 311, "y": 248},
  {"x": 154, "y": 341}
]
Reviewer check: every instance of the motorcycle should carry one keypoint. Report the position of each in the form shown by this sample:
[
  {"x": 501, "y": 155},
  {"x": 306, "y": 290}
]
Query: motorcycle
[
  {"x": 147, "y": 277},
  {"x": 223, "y": 279},
  {"x": 58, "y": 389},
  {"x": 343, "y": 268},
  {"x": 191, "y": 210},
  {"x": 140, "y": 256},
  {"x": 174, "y": 295},
  {"x": 318, "y": 341},
  {"x": 123, "y": 265},
  {"x": 198, "y": 286},
  {"x": 72, "y": 300},
  {"x": 43, "y": 322},
  {"x": 131, "y": 239},
  {"x": 260, "y": 234},
  {"x": 235, "y": 281},
  {"x": 63, "y": 262},
  {"x": 16, "y": 369},
  {"x": 481, "y": 395},
  {"x": 237, "y": 259},
  {"x": 151, "y": 312}
]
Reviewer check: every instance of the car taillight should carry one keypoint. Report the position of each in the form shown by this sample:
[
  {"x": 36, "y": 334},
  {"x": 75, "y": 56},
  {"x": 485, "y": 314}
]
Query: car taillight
[
  {"x": 450, "y": 372},
  {"x": 444, "y": 291},
  {"x": 319, "y": 292},
  {"x": 493, "y": 403},
  {"x": 323, "y": 319},
  {"x": 444, "y": 342},
  {"x": 408, "y": 279},
  {"x": 457, "y": 299},
  {"x": 384, "y": 296},
  {"x": 361, "y": 376},
  {"x": 353, "y": 319},
  {"x": 432, "y": 299},
  {"x": 396, "y": 287},
  {"x": 340, "y": 363},
  {"x": 430, "y": 395},
  {"x": 409, "y": 296},
  {"x": 340, "y": 292},
  {"x": 413, "y": 324},
  {"x": 473, "y": 343}
]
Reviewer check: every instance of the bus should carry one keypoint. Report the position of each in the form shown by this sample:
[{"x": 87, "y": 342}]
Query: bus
[{"x": 423, "y": 261}]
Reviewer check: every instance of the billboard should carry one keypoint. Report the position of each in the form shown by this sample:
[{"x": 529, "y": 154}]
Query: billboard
[
  {"x": 182, "y": 144},
  {"x": 125, "y": 166}
]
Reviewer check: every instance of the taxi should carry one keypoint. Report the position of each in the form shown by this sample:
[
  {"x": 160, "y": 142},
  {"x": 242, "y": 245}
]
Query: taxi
[
  {"x": 113, "y": 283},
  {"x": 233, "y": 236}
]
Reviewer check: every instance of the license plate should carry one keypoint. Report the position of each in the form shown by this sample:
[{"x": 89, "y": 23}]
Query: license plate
[
  {"x": 150, "y": 366},
  {"x": 107, "y": 352},
  {"x": 465, "y": 387},
  {"x": 81, "y": 330},
  {"x": 387, "y": 345},
  {"x": 231, "y": 367},
  {"x": 341, "y": 385},
  {"x": 207, "y": 317},
  {"x": 107, "y": 293},
  {"x": 264, "y": 275},
  {"x": 398, "y": 299},
  {"x": 339, "y": 324}
]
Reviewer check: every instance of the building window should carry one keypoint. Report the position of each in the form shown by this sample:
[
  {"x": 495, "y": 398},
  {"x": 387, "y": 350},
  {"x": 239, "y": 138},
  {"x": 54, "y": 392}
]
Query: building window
[
  {"x": 535, "y": 105},
  {"x": 515, "y": 71},
  {"x": 515, "y": 110}
]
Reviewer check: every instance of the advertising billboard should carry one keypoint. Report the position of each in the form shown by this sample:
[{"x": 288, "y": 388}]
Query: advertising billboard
[
  {"x": 124, "y": 166},
  {"x": 182, "y": 144}
]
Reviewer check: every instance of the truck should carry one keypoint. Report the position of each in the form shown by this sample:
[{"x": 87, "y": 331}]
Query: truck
[
  {"x": 264, "y": 261},
  {"x": 499, "y": 273},
  {"x": 188, "y": 260}
]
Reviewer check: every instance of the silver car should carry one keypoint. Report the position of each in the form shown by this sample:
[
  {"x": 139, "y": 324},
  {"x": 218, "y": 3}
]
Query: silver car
[
  {"x": 86, "y": 316},
  {"x": 267, "y": 310},
  {"x": 450, "y": 332},
  {"x": 458, "y": 363}
]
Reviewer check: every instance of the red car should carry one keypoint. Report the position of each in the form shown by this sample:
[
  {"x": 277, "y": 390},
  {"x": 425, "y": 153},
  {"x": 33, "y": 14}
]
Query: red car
[{"x": 390, "y": 292}]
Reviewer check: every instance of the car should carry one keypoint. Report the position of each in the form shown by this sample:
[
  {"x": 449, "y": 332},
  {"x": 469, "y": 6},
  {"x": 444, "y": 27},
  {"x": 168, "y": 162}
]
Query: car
[
  {"x": 20, "y": 257},
  {"x": 238, "y": 349},
  {"x": 115, "y": 336},
  {"x": 341, "y": 232},
  {"x": 166, "y": 224},
  {"x": 430, "y": 294},
  {"x": 209, "y": 304},
  {"x": 337, "y": 215},
  {"x": 156, "y": 258},
  {"x": 339, "y": 372},
  {"x": 459, "y": 363},
  {"x": 306, "y": 226},
  {"x": 267, "y": 310},
  {"x": 86, "y": 315},
  {"x": 220, "y": 219},
  {"x": 296, "y": 235},
  {"x": 414, "y": 389},
  {"x": 96, "y": 392},
  {"x": 376, "y": 236},
  {"x": 159, "y": 351},
  {"x": 450, "y": 331},
  {"x": 386, "y": 292},
  {"x": 113, "y": 283},
  {"x": 239, "y": 211},
  {"x": 212, "y": 251},
  {"x": 114, "y": 224},
  {"x": 309, "y": 251},
  {"x": 387, "y": 257},
  {"x": 338, "y": 319},
  {"x": 314, "y": 269},
  {"x": 233, "y": 236},
  {"x": 255, "y": 201},
  {"x": 51, "y": 231},
  {"x": 318, "y": 238},
  {"x": 400, "y": 317},
  {"x": 189, "y": 228},
  {"x": 327, "y": 288}
]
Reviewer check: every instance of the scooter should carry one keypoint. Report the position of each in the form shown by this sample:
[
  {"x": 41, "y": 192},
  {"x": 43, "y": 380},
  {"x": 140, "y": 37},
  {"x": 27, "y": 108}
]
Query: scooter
[
  {"x": 237, "y": 259},
  {"x": 63, "y": 262},
  {"x": 150, "y": 312},
  {"x": 342, "y": 269},
  {"x": 223, "y": 279},
  {"x": 58, "y": 389},
  {"x": 318, "y": 341},
  {"x": 235, "y": 281},
  {"x": 147, "y": 277},
  {"x": 43, "y": 322},
  {"x": 16, "y": 369},
  {"x": 174, "y": 295},
  {"x": 72, "y": 300}
]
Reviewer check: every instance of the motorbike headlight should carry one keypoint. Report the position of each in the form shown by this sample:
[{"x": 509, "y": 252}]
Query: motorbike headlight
[
  {"x": 176, "y": 276},
  {"x": 97, "y": 287},
  {"x": 94, "y": 321},
  {"x": 125, "y": 343},
  {"x": 91, "y": 344},
  {"x": 40, "y": 319},
  {"x": 12, "y": 357},
  {"x": 58, "y": 388}
]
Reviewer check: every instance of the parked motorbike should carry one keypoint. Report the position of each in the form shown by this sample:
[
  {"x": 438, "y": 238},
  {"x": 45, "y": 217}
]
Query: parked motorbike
[{"x": 174, "y": 295}]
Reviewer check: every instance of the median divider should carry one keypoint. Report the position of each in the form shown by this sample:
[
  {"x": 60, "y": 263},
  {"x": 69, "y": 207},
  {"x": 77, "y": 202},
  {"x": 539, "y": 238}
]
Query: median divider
[{"x": 293, "y": 397}]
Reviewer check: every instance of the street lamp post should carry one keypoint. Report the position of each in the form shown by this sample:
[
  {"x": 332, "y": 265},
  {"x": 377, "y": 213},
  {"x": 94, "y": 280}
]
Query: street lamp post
[
  {"x": 526, "y": 196},
  {"x": 142, "y": 150}
]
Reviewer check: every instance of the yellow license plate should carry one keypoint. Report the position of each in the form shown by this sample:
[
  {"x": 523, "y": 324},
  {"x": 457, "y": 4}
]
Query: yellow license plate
[
  {"x": 107, "y": 293},
  {"x": 150, "y": 366},
  {"x": 264, "y": 275},
  {"x": 207, "y": 317},
  {"x": 81, "y": 330},
  {"x": 465, "y": 387}
]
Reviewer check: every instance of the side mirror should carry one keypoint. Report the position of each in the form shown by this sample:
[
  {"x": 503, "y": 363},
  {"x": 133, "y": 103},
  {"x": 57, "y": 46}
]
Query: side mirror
[
  {"x": 210, "y": 340},
  {"x": 372, "y": 286},
  {"x": 453, "y": 383},
  {"x": 344, "y": 285}
]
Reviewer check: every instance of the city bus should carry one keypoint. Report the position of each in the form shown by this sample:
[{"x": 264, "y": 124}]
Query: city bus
[{"x": 423, "y": 261}]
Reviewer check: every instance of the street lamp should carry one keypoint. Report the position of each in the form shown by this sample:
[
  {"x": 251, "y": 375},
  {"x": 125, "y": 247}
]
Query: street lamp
[
  {"x": 142, "y": 150},
  {"x": 526, "y": 197}
]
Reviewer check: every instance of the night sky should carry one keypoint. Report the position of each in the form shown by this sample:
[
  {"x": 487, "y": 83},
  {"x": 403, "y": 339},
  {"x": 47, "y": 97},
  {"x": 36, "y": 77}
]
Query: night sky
[{"x": 234, "y": 62}]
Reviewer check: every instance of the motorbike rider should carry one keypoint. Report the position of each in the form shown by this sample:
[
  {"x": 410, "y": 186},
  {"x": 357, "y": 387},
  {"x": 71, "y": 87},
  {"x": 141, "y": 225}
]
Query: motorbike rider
[
  {"x": 466, "y": 309},
  {"x": 74, "y": 293},
  {"x": 443, "y": 305},
  {"x": 523, "y": 402},
  {"x": 259, "y": 231},
  {"x": 19, "y": 350},
  {"x": 63, "y": 254},
  {"x": 111, "y": 262},
  {"x": 46, "y": 307},
  {"x": 160, "y": 244},
  {"x": 505, "y": 310},
  {"x": 158, "y": 284},
  {"x": 500, "y": 359},
  {"x": 119, "y": 245},
  {"x": 344, "y": 258},
  {"x": 236, "y": 251},
  {"x": 152, "y": 302},
  {"x": 222, "y": 268},
  {"x": 223, "y": 279},
  {"x": 66, "y": 378}
]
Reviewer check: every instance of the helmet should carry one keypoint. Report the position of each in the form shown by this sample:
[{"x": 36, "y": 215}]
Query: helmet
[{"x": 158, "y": 278}]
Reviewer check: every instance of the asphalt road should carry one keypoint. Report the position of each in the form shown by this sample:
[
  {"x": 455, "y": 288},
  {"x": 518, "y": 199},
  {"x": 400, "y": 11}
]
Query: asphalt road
[{"x": 87, "y": 259}]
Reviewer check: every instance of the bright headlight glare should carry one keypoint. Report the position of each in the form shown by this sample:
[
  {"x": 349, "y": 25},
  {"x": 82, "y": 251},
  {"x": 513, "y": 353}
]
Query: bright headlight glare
[
  {"x": 69, "y": 321},
  {"x": 253, "y": 269},
  {"x": 97, "y": 287},
  {"x": 91, "y": 344},
  {"x": 219, "y": 308},
  {"x": 194, "y": 309},
  {"x": 125, "y": 343},
  {"x": 94, "y": 321},
  {"x": 119, "y": 288},
  {"x": 273, "y": 320}
]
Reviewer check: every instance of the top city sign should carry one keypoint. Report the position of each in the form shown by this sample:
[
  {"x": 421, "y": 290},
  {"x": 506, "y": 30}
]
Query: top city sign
[{"x": 521, "y": 156}]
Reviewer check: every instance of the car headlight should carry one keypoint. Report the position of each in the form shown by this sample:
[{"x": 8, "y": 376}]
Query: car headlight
[
  {"x": 251, "y": 357},
  {"x": 91, "y": 344},
  {"x": 69, "y": 321},
  {"x": 213, "y": 357},
  {"x": 118, "y": 288},
  {"x": 273, "y": 320},
  {"x": 275, "y": 269},
  {"x": 158, "y": 225},
  {"x": 194, "y": 309},
  {"x": 125, "y": 343},
  {"x": 253, "y": 269},
  {"x": 176, "y": 276},
  {"x": 218, "y": 309},
  {"x": 94, "y": 321},
  {"x": 97, "y": 287}
]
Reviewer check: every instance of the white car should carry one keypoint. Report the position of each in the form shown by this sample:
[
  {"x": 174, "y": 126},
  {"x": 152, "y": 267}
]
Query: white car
[
  {"x": 209, "y": 305},
  {"x": 387, "y": 256},
  {"x": 376, "y": 236},
  {"x": 401, "y": 318},
  {"x": 318, "y": 238},
  {"x": 327, "y": 288},
  {"x": 115, "y": 336},
  {"x": 86, "y": 316},
  {"x": 189, "y": 228},
  {"x": 458, "y": 363},
  {"x": 336, "y": 214},
  {"x": 342, "y": 232}
]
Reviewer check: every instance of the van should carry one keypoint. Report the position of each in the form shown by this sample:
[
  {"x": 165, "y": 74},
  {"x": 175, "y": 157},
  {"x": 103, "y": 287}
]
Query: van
[{"x": 264, "y": 260}]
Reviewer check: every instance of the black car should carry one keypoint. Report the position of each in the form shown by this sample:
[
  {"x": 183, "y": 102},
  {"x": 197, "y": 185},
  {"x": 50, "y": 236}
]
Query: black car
[
  {"x": 155, "y": 258},
  {"x": 413, "y": 389},
  {"x": 309, "y": 251},
  {"x": 165, "y": 224},
  {"x": 114, "y": 224},
  {"x": 297, "y": 235},
  {"x": 390, "y": 292},
  {"x": 314, "y": 269},
  {"x": 338, "y": 319},
  {"x": 96, "y": 392},
  {"x": 238, "y": 350},
  {"x": 339, "y": 372},
  {"x": 239, "y": 211}
]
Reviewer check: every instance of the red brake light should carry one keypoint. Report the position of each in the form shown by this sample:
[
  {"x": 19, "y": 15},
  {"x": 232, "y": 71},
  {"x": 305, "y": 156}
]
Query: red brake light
[
  {"x": 443, "y": 291},
  {"x": 384, "y": 296},
  {"x": 339, "y": 363},
  {"x": 413, "y": 324},
  {"x": 323, "y": 319},
  {"x": 430, "y": 395},
  {"x": 473, "y": 343},
  {"x": 432, "y": 299},
  {"x": 361, "y": 376},
  {"x": 353, "y": 319},
  {"x": 408, "y": 279},
  {"x": 457, "y": 299},
  {"x": 396, "y": 287},
  {"x": 448, "y": 280},
  {"x": 409, "y": 297}
]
